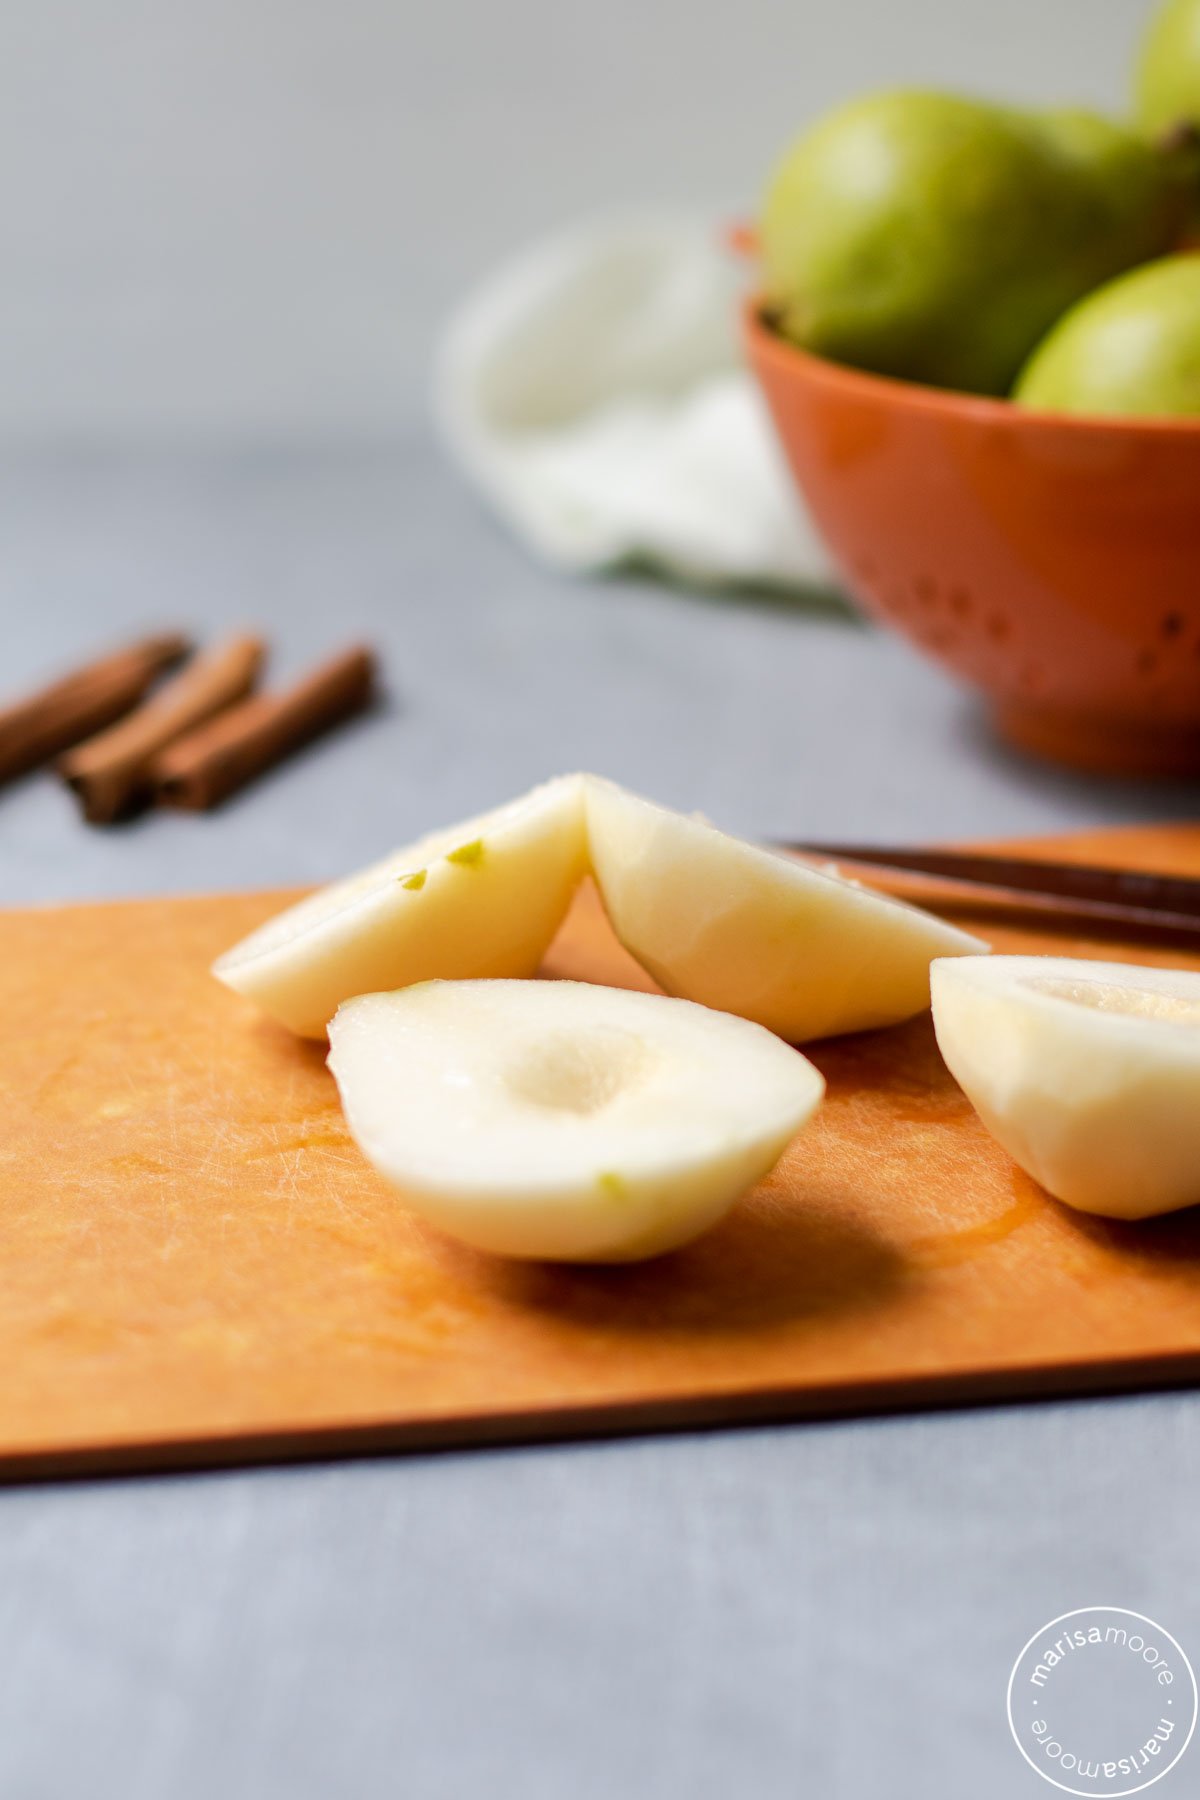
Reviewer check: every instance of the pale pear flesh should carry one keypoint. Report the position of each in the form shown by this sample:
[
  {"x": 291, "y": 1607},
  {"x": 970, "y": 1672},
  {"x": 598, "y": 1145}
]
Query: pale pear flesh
[
  {"x": 483, "y": 898},
  {"x": 1088, "y": 1074},
  {"x": 561, "y": 1120},
  {"x": 789, "y": 945}
]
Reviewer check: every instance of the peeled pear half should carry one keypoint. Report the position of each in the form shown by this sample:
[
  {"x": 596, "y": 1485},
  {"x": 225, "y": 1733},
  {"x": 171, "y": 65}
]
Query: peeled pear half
[
  {"x": 555, "y": 1119},
  {"x": 481, "y": 898},
  {"x": 1088, "y": 1073},
  {"x": 750, "y": 931}
]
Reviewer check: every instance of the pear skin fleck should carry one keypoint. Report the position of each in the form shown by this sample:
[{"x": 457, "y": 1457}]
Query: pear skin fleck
[
  {"x": 467, "y": 855},
  {"x": 414, "y": 881}
]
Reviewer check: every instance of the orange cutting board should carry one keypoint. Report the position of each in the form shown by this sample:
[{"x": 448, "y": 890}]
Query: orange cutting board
[{"x": 199, "y": 1267}]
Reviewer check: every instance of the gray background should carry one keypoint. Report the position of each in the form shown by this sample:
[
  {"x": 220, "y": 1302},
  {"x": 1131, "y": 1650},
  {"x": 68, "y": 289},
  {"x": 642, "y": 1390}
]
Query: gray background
[
  {"x": 248, "y": 215},
  {"x": 229, "y": 231}
]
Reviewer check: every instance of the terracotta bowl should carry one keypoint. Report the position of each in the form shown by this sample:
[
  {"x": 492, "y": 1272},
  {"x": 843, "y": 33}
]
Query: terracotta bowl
[{"x": 1053, "y": 561}]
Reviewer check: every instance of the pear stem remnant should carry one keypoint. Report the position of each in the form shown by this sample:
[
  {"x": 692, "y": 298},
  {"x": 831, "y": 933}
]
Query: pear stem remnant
[{"x": 467, "y": 855}]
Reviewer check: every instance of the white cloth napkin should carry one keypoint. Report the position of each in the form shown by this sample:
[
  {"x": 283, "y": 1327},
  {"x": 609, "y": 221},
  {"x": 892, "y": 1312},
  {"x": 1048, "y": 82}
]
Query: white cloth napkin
[{"x": 594, "y": 390}]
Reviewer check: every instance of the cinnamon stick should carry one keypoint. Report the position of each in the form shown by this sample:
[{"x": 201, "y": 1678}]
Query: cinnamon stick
[
  {"x": 35, "y": 730},
  {"x": 112, "y": 773},
  {"x": 214, "y": 761}
]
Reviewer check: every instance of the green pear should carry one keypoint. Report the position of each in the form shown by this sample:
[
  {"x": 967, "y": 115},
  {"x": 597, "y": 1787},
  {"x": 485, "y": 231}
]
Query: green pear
[
  {"x": 937, "y": 239},
  {"x": 1133, "y": 348},
  {"x": 1167, "y": 84}
]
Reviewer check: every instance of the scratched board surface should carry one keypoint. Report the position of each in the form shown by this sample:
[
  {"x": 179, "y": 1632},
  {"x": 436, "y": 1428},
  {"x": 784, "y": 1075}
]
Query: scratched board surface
[{"x": 200, "y": 1267}]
